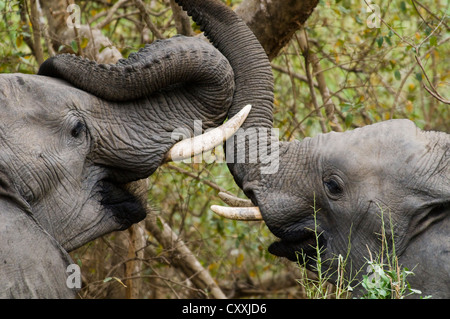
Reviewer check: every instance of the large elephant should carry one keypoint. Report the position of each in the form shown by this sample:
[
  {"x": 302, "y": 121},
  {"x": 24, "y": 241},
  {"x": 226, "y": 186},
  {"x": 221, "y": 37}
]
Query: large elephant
[{"x": 74, "y": 135}]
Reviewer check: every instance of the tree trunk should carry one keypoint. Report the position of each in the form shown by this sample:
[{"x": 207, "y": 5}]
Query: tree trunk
[{"x": 275, "y": 21}]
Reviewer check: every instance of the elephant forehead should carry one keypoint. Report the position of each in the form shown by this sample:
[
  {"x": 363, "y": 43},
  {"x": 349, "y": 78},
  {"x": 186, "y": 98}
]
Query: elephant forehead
[
  {"x": 388, "y": 145},
  {"x": 28, "y": 99},
  {"x": 23, "y": 93}
]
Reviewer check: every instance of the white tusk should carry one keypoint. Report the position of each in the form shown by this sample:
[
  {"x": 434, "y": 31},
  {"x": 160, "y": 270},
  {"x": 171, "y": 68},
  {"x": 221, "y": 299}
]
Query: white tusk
[
  {"x": 198, "y": 144},
  {"x": 238, "y": 213},
  {"x": 234, "y": 201}
]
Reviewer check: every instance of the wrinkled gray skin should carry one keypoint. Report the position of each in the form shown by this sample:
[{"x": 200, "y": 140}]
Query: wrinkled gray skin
[
  {"x": 72, "y": 136},
  {"x": 391, "y": 170}
]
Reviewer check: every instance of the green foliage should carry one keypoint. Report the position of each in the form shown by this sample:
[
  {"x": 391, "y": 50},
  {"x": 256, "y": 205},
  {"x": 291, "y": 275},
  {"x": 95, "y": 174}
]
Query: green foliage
[
  {"x": 317, "y": 286},
  {"x": 383, "y": 282},
  {"x": 386, "y": 278},
  {"x": 375, "y": 67}
]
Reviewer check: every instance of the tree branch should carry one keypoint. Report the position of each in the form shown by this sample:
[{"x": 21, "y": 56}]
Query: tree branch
[
  {"x": 308, "y": 55},
  {"x": 141, "y": 6},
  {"x": 182, "y": 21},
  {"x": 275, "y": 22},
  {"x": 185, "y": 260},
  {"x": 34, "y": 18},
  {"x": 110, "y": 14}
]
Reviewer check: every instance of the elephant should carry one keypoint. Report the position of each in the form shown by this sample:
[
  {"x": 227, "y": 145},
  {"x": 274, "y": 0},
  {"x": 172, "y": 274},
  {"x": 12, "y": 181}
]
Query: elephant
[
  {"x": 340, "y": 190},
  {"x": 75, "y": 135},
  {"x": 351, "y": 187}
]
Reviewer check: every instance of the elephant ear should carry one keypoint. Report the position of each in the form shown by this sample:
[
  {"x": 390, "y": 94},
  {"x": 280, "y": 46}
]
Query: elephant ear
[{"x": 32, "y": 263}]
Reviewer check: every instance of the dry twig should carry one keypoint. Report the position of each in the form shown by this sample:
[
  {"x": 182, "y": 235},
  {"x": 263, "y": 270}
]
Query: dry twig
[{"x": 145, "y": 14}]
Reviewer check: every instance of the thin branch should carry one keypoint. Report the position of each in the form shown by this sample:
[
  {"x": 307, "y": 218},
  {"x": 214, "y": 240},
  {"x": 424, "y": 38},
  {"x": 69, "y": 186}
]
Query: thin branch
[
  {"x": 323, "y": 88},
  {"x": 145, "y": 14},
  {"x": 110, "y": 15},
  {"x": 197, "y": 177},
  {"x": 433, "y": 90},
  {"x": 436, "y": 95},
  {"x": 135, "y": 253},
  {"x": 430, "y": 13},
  {"x": 182, "y": 21},
  {"x": 23, "y": 10},
  {"x": 186, "y": 260},
  {"x": 399, "y": 91},
  {"x": 34, "y": 18},
  {"x": 293, "y": 74},
  {"x": 418, "y": 12},
  {"x": 304, "y": 47}
]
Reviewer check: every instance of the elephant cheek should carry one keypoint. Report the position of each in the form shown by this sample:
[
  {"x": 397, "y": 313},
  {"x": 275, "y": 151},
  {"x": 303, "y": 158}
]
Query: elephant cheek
[{"x": 113, "y": 207}]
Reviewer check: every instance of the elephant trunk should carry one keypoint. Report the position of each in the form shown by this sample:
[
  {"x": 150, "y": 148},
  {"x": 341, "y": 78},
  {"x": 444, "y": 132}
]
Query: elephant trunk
[
  {"x": 253, "y": 83},
  {"x": 159, "y": 66}
]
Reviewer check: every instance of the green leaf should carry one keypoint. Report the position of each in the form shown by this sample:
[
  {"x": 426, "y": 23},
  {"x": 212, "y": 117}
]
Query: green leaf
[
  {"x": 419, "y": 76},
  {"x": 74, "y": 46},
  {"x": 380, "y": 41},
  {"x": 344, "y": 10},
  {"x": 403, "y": 6},
  {"x": 358, "y": 19},
  {"x": 433, "y": 41},
  {"x": 388, "y": 40},
  {"x": 349, "y": 119},
  {"x": 346, "y": 106},
  {"x": 397, "y": 75}
]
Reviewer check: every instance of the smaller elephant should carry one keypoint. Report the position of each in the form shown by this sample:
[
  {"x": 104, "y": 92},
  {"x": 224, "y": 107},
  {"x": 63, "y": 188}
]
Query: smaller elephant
[{"x": 389, "y": 177}]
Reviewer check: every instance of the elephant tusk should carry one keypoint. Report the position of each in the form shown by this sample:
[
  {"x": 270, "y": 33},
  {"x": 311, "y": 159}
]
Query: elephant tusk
[
  {"x": 234, "y": 201},
  {"x": 238, "y": 213},
  {"x": 188, "y": 148}
]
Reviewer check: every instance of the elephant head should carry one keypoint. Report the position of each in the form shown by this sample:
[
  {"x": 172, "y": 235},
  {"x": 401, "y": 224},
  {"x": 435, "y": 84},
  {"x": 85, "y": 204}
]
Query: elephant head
[
  {"x": 74, "y": 135},
  {"x": 390, "y": 177}
]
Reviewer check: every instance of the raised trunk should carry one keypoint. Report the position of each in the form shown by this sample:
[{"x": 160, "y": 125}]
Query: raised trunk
[
  {"x": 203, "y": 72},
  {"x": 252, "y": 70},
  {"x": 253, "y": 78},
  {"x": 158, "y": 66}
]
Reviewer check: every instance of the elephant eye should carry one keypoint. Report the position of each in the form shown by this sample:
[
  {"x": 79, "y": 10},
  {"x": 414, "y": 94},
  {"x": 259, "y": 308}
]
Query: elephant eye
[
  {"x": 77, "y": 129},
  {"x": 333, "y": 187}
]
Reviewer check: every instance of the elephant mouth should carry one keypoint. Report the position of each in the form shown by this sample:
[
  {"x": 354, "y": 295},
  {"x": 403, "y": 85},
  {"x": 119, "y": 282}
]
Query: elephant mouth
[
  {"x": 119, "y": 209},
  {"x": 299, "y": 246},
  {"x": 122, "y": 204}
]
